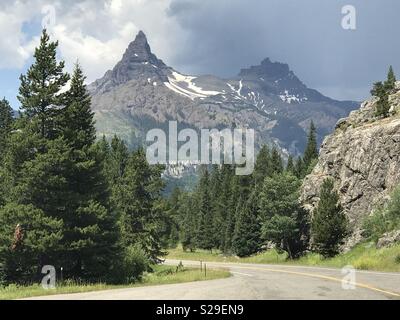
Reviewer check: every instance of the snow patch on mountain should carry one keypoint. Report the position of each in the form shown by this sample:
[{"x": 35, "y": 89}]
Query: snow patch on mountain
[
  {"x": 185, "y": 86},
  {"x": 237, "y": 91},
  {"x": 251, "y": 97},
  {"x": 289, "y": 98}
]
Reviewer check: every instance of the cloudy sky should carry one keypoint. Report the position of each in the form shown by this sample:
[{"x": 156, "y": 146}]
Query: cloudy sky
[{"x": 211, "y": 36}]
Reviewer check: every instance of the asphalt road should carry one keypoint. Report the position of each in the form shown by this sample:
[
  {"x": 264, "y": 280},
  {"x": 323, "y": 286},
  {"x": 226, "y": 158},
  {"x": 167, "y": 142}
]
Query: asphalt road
[{"x": 260, "y": 282}]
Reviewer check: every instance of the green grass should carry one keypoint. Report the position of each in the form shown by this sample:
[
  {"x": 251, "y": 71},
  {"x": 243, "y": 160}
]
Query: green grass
[
  {"x": 162, "y": 275},
  {"x": 365, "y": 256}
]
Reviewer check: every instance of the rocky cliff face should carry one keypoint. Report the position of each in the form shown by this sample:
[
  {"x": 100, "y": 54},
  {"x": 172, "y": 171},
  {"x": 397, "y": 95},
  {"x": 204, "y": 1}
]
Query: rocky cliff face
[
  {"x": 363, "y": 157},
  {"x": 142, "y": 93}
]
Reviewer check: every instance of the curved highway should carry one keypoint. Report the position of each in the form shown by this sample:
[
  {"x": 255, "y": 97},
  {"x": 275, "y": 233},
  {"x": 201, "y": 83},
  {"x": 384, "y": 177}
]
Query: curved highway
[{"x": 261, "y": 282}]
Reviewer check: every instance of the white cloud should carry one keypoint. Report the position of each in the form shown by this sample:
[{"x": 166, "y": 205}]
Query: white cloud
[
  {"x": 15, "y": 47},
  {"x": 94, "y": 32}
]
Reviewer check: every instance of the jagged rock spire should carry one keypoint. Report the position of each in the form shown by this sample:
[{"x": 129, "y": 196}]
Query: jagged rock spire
[{"x": 139, "y": 50}]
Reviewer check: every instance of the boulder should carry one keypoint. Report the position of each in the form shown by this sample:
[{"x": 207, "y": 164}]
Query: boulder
[{"x": 388, "y": 239}]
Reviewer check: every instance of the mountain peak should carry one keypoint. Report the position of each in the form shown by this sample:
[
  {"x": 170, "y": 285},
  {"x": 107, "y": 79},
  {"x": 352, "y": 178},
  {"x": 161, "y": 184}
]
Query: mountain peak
[
  {"x": 138, "y": 62},
  {"x": 141, "y": 35},
  {"x": 138, "y": 50},
  {"x": 267, "y": 69},
  {"x": 141, "y": 40}
]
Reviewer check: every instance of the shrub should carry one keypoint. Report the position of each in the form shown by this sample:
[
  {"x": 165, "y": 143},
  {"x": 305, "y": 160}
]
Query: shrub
[
  {"x": 385, "y": 219},
  {"x": 329, "y": 224},
  {"x": 135, "y": 263},
  {"x": 365, "y": 263},
  {"x": 375, "y": 225},
  {"x": 2, "y": 275}
]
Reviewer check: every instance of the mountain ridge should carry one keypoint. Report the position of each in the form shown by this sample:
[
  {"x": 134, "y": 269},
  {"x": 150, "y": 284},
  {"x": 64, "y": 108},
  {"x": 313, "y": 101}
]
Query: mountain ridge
[{"x": 141, "y": 91}]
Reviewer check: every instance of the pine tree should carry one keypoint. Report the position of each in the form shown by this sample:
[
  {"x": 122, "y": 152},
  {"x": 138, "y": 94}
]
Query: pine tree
[
  {"x": 189, "y": 224},
  {"x": 39, "y": 92},
  {"x": 299, "y": 168},
  {"x": 285, "y": 223},
  {"x": 262, "y": 167},
  {"x": 87, "y": 249},
  {"x": 311, "y": 151},
  {"x": 28, "y": 240},
  {"x": 78, "y": 130},
  {"x": 136, "y": 199},
  {"x": 382, "y": 106},
  {"x": 88, "y": 208},
  {"x": 231, "y": 225},
  {"x": 119, "y": 158},
  {"x": 246, "y": 240},
  {"x": 227, "y": 175},
  {"x": 329, "y": 223},
  {"x": 279, "y": 196},
  {"x": 22, "y": 146},
  {"x": 38, "y": 179},
  {"x": 290, "y": 166},
  {"x": 276, "y": 162},
  {"x": 217, "y": 207},
  {"x": 391, "y": 80},
  {"x": 42, "y": 180},
  {"x": 6, "y": 121},
  {"x": 77, "y": 123},
  {"x": 171, "y": 223},
  {"x": 205, "y": 236},
  {"x": 235, "y": 204}
]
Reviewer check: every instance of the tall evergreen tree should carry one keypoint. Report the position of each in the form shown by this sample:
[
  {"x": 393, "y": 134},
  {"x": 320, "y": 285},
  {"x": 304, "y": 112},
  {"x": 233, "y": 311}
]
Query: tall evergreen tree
[
  {"x": 6, "y": 121},
  {"x": 382, "y": 106},
  {"x": 205, "y": 236},
  {"x": 285, "y": 222},
  {"x": 391, "y": 80},
  {"x": 235, "y": 204},
  {"x": 118, "y": 160},
  {"x": 171, "y": 223},
  {"x": 262, "y": 167},
  {"x": 38, "y": 181},
  {"x": 77, "y": 123},
  {"x": 136, "y": 199},
  {"x": 40, "y": 88},
  {"x": 290, "y": 166},
  {"x": 299, "y": 168},
  {"x": 88, "y": 209},
  {"x": 279, "y": 196},
  {"x": 329, "y": 223},
  {"x": 276, "y": 162},
  {"x": 247, "y": 237},
  {"x": 311, "y": 151},
  {"x": 225, "y": 203},
  {"x": 189, "y": 223},
  {"x": 217, "y": 207}
]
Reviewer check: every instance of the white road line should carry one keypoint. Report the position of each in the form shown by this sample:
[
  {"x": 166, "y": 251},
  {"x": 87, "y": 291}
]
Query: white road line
[
  {"x": 242, "y": 274},
  {"x": 232, "y": 264}
]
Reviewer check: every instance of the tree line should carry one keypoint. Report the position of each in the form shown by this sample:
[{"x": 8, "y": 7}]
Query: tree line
[
  {"x": 93, "y": 208},
  {"x": 243, "y": 215}
]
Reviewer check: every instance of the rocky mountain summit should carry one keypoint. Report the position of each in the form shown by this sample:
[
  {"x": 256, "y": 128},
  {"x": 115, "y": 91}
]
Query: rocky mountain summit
[
  {"x": 141, "y": 92},
  {"x": 363, "y": 157}
]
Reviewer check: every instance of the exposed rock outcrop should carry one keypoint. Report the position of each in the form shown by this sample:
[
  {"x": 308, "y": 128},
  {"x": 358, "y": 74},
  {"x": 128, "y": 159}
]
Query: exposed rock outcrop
[{"x": 363, "y": 157}]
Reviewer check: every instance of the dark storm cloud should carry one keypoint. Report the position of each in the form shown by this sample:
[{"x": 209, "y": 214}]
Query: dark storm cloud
[{"x": 226, "y": 35}]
